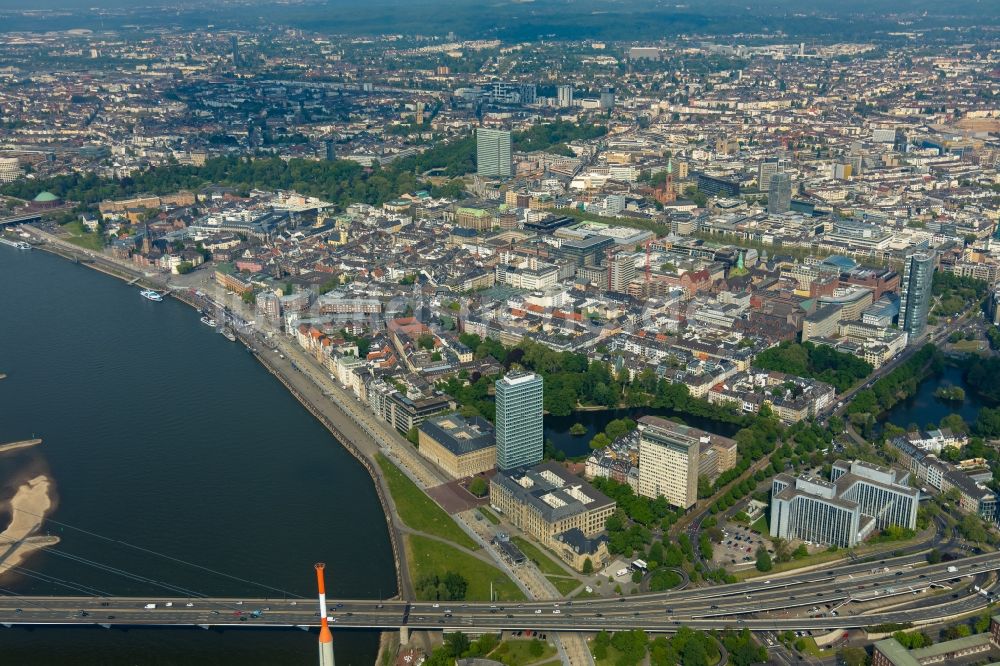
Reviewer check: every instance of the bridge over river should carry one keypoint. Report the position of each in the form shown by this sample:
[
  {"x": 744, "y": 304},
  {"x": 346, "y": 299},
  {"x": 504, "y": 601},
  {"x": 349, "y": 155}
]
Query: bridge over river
[{"x": 903, "y": 589}]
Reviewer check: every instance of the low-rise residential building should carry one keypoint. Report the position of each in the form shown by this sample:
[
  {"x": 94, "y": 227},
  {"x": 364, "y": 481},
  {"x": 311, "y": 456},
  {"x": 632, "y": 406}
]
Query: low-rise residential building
[
  {"x": 233, "y": 282},
  {"x": 942, "y": 476},
  {"x": 791, "y": 398},
  {"x": 890, "y": 652}
]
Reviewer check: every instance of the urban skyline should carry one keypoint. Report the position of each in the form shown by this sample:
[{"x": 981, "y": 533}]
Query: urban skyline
[{"x": 630, "y": 333}]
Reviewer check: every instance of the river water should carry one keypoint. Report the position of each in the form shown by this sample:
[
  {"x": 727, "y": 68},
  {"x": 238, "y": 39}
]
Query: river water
[{"x": 161, "y": 433}]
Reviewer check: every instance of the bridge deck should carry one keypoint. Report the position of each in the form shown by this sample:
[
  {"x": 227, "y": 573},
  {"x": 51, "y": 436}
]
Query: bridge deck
[{"x": 901, "y": 583}]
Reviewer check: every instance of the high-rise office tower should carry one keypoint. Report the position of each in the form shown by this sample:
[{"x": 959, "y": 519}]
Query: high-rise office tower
[
  {"x": 765, "y": 170},
  {"x": 519, "y": 420},
  {"x": 915, "y": 293},
  {"x": 779, "y": 193},
  {"x": 564, "y": 96},
  {"x": 493, "y": 153},
  {"x": 234, "y": 40},
  {"x": 528, "y": 93},
  {"x": 621, "y": 271},
  {"x": 607, "y": 99},
  {"x": 669, "y": 459},
  {"x": 331, "y": 150}
]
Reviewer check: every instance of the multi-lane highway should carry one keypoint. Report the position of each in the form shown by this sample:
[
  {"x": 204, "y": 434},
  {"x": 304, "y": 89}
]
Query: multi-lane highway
[{"x": 900, "y": 583}]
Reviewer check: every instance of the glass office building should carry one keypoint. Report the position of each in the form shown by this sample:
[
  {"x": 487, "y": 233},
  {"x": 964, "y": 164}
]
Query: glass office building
[
  {"x": 493, "y": 153},
  {"x": 519, "y": 420},
  {"x": 915, "y": 293}
]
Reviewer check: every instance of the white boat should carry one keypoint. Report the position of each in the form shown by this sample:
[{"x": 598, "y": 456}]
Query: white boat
[
  {"x": 151, "y": 295},
  {"x": 20, "y": 245},
  {"x": 208, "y": 321},
  {"x": 229, "y": 335}
]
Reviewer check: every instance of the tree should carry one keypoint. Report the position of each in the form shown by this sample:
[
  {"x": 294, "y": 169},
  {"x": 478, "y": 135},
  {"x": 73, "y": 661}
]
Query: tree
[
  {"x": 971, "y": 528},
  {"x": 478, "y": 486},
  {"x": 425, "y": 341},
  {"x": 413, "y": 436},
  {"x": 457, "y": 643},
  {"x": 602, "y": 641},
  {"x": 600, "y": 441},
  {"x": 742, "y": 649},
  {"x": 588, "y": 566},
  {"x": 852, "y": 656},
  {"x": 704, "y": 487},
  {"x": 694, "y": 654},
  {"x": 452, "y": 586},
  {"x": 763, "y": 560}
]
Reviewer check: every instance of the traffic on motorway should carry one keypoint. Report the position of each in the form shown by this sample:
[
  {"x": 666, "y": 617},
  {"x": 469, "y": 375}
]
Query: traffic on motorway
[{"x": 896, "y": 580}]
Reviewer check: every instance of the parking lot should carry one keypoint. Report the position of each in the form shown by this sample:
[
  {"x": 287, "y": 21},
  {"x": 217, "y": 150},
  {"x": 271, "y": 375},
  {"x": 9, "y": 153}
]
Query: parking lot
[{"x": 739, "y": 546}]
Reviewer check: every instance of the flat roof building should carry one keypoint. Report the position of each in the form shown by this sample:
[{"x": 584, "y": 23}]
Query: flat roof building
[
  {"x": 461, "y": 447},
  {"x": 519, "y": 434},
  {"x": 890, "y": 652},
  {"x": 670, "y": 459},
  {"x": 859, "y": 499},
  {"x": 493, "y": 153}
]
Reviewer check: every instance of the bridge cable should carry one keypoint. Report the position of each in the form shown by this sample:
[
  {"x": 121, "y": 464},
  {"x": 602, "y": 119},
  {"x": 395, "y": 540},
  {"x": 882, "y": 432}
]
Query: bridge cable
[
  {"x": 166, "y": 557},
  {"x": 121, "y": 572},
  {"x": 128, "y": 574},
  {"x": 78, "y": 587}
]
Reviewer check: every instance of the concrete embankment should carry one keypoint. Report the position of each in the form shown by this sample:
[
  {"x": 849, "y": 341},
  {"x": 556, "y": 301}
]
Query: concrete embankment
[
  {"x": 23, "y": 444},
  {"x": 131, "y": 275}
]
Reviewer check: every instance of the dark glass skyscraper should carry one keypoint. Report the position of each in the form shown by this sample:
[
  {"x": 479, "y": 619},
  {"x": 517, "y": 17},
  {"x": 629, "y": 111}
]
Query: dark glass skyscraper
[
  {"x": 915, "y": 293},
  {"x": 779, "y": 193}
]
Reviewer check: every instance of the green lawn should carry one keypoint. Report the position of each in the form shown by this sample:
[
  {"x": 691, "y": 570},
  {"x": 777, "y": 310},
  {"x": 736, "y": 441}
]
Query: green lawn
[
  {"x": 516, "y": 652},
  {"x": 427, "y": 557},
  {"x": 760, "y": 526},
  {"x": 814, "y": 650},
  {"x": 811, "y": 560},
  {"x": 78, "y": 235},
  {"x": 489, "y": 515},
  {"x": 969, "y": 346},
  {"x": 418, "y": 510},
  {"x": 544, "y": 563},
  {"x": 564, "y": 585},
  {"x": 612, "y": 658}
]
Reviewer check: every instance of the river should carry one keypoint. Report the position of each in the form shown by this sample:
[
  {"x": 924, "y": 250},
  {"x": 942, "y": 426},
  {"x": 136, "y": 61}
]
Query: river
[{"x": 159, "y": 432}]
